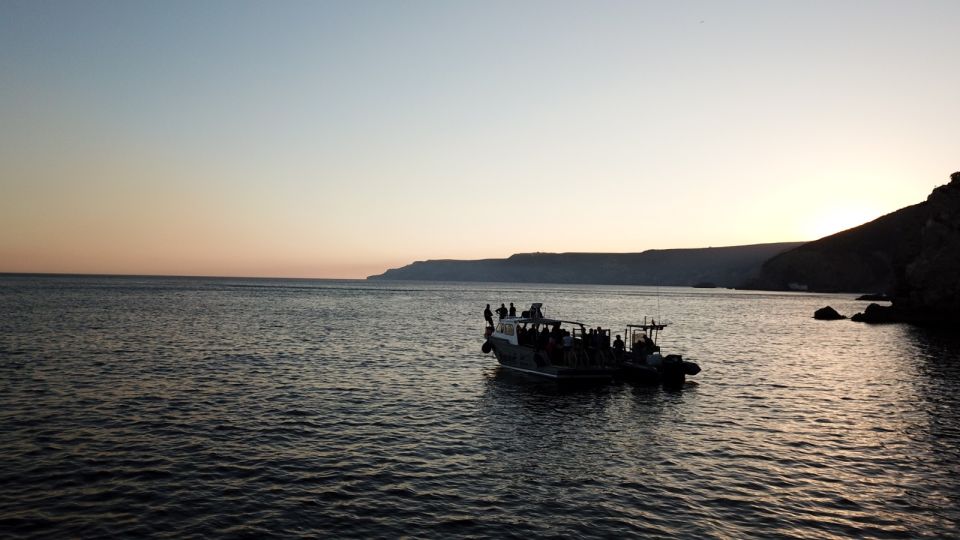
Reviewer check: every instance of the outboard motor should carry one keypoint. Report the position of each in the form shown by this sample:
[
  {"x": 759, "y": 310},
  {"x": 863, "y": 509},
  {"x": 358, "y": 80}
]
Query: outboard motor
[
  {"x": 691, "y": 368},
  {"x": 672, "y": 372}
]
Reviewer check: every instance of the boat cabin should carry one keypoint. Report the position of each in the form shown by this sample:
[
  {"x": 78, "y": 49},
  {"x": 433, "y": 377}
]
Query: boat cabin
[
  {"x": 562, "y": 342},
  {"x": 513, "y": 329},
  {"x": 642, "y": 338}
]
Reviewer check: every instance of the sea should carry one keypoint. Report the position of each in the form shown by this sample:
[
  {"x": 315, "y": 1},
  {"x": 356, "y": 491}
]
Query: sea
[{"x": 165, "y": 407}]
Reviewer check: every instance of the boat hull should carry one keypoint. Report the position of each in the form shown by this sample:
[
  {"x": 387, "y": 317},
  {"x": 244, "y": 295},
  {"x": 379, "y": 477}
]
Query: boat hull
[
  {"x": 671, "y": 371},
  {"x": 639, "y": 373},
  {"x": 536, "y": 362}
]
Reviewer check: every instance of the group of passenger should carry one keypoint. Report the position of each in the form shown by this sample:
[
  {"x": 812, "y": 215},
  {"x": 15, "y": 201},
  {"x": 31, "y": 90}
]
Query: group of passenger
[
  {"x": 554, "y": 341},
  {"x": 598, "y": 338},
  {"x": 644, "y": 346},
  {"x": 543, "y": 337},
  {"x": 502, "y": 312}
]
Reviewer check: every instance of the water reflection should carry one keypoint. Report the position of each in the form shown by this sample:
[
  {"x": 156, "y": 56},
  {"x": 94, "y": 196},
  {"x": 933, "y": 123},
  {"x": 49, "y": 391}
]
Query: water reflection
[
  {"x": 324, "y": 408},
  {"x": 938, "y": 387}
]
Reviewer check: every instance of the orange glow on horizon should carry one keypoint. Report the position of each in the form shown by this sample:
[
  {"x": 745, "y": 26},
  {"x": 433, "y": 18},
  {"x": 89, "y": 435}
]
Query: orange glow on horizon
[{"x": 174, "y": 142}]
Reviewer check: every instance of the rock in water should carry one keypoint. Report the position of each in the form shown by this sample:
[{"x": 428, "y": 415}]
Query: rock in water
[
  {"x": 875, "y": 313},
  {"x": 876, "y": 297},
  {"x": 828, "y": 314}
]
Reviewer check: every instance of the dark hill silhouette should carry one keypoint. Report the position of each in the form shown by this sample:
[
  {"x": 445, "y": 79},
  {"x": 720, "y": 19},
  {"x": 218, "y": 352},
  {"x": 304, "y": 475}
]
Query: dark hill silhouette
[
  {"x": 913, "y": 255},
  {"x": 723, "y": 266},
  {"x": 865, "y": 258}
]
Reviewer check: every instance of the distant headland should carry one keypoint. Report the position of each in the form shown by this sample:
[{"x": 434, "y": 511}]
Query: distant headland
[
  {"x": 719, "y": 266},
  {"x": 911, "y": 255}
]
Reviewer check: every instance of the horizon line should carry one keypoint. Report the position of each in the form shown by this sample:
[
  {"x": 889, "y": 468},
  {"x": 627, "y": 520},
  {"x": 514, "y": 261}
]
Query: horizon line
[{"x": 194, "y": 276}]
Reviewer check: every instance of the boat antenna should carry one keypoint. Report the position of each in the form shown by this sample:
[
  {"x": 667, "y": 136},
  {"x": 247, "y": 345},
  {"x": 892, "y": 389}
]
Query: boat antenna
[{"x": 658, "y": 300}]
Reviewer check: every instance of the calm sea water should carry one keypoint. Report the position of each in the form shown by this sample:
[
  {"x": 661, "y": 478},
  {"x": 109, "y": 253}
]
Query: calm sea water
[{"x": 215, "y": 407}]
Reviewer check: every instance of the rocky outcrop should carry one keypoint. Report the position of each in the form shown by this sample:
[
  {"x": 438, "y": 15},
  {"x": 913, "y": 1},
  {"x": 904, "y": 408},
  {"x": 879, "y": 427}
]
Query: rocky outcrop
[
  {"x": 926, "y": 289},
  {"x": 827, "y": 314},
  {"x": 929, "y": 291},
  {"x": 874, "y": 297},
  {"x": 875, "y": 313},
  {"x": 911, "y": 255}
]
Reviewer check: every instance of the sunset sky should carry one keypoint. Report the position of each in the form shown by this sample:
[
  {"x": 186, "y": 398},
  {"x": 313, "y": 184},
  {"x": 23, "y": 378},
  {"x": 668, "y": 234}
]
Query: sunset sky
[{"x": 338, "y": 139}]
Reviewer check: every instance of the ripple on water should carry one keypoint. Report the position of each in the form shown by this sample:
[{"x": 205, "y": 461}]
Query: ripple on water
[{"x": 179, "y": 408}]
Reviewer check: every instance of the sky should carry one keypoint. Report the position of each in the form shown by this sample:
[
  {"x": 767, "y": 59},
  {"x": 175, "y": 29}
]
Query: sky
[{"x": 338, "y": 139}]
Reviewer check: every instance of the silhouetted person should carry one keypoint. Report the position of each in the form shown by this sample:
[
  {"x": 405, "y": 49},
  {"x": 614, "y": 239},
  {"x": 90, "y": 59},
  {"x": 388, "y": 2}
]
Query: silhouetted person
[
  {"x": 640, "y": 343},
  {"x": 604, "y": 337},
  {"x": 513, "y": 310},
  {"x": 502, "y": 311},
  {"x": 488, "y": 316},
  {"x": 543, "y": 337},
  {"x": 618, "y": 348},
  {"x": 555, "y": 333}
]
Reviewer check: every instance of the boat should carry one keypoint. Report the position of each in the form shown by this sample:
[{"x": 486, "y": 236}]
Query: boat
[
  {"x": 547, "y": 347},
  {"x": 643, "y": 362},
  {"x": 569, "y": 351}
]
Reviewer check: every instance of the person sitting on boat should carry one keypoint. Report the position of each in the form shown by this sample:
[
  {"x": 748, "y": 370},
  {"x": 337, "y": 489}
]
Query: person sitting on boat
[
  {"x": 644, "y": 346},
  {"x": 531, "y": 336},
  {"x": 551, "y": 348},
  {"x": 543, "y": 338},
  {"x": 569, "y": 358},
  {"x": 556, "y": 333},
  {"x": 513, "y": 310},
  {"x": 488, "y": 316},
  {"x": 502, "y": 311}
]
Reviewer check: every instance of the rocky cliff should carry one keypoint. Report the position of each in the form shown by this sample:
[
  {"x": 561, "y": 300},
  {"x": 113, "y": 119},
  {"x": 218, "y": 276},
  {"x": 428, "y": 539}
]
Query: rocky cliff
[
  {"x": 868, "y": 258},
  {"x": 929, "y": 290},
  {"x": 913, "y": 255},
  {"x": 722, "y": 266}
]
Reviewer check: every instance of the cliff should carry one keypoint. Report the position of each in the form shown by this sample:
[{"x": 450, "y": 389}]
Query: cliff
[
  {"x": 912, "y": 255},
  {"x": 869, "y": 258},
  {"x": 723, "y": 266},
  {"x": 929, "y": 291},
  {"x": 875, "y": 256}
]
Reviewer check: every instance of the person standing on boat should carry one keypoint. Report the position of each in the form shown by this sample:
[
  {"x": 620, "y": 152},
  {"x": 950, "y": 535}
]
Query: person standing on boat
[
  {"x": 502, "y": 311},
  {"x": 618, "y": 347},
  {"x": 488, "y": 316},
  {"x": 513, "y": 310}
]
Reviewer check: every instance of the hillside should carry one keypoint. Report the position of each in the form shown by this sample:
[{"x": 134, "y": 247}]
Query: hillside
[
  {"x": 723, "y": 266},
  {"x": 887, "y": 255},
  {"x": 868, "y": 258}
]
